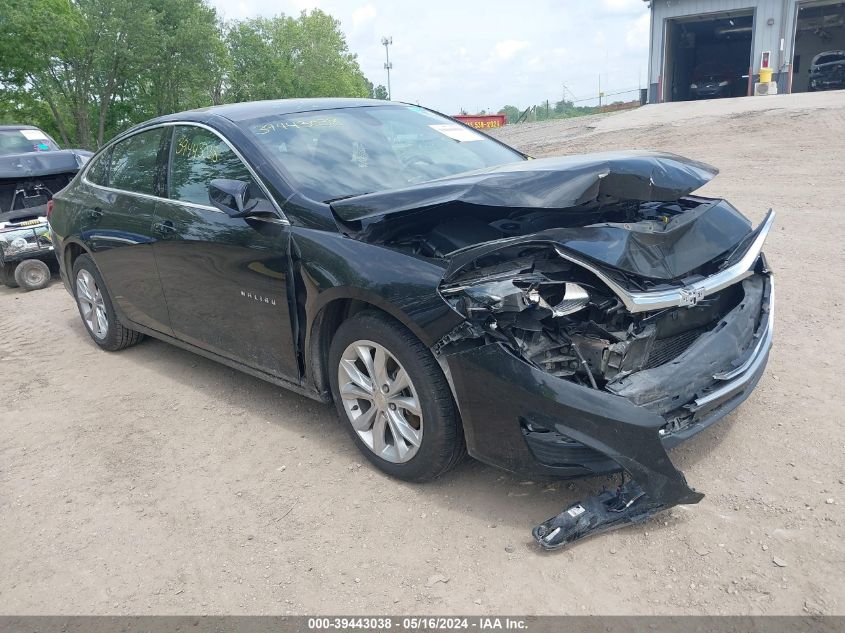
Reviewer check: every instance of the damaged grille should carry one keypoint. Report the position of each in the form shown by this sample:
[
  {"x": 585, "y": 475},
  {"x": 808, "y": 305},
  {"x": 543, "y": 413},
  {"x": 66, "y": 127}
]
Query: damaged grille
[{"x": 667, "y": 349}]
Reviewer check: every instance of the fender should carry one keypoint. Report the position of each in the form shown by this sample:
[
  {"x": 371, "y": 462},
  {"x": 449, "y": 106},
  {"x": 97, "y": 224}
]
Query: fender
[{"x": 406, "y": 288}]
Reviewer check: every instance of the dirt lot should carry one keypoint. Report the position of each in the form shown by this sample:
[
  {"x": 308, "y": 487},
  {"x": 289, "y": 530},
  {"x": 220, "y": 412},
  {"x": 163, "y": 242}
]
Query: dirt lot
[{"x": 155, "y": 481}]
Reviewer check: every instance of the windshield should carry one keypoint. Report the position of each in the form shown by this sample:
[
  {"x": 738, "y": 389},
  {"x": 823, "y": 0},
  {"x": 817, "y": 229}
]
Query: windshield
[
  {"x": 830, "y": 58},
  {"x": 23, "y": 141},
  {"x": 333, "y": 154}
]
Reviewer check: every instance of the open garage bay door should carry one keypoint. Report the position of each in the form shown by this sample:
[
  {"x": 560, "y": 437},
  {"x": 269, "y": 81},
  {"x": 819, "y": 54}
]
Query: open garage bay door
[
  {"x": 708, "y": 56},
  {"x": 818, "y": 62}
]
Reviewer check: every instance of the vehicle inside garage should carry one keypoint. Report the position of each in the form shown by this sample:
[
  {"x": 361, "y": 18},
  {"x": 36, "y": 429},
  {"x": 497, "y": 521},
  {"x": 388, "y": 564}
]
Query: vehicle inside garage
[
  {"x": 708, "y": 56},
  {"x": 819, "y": 42}
]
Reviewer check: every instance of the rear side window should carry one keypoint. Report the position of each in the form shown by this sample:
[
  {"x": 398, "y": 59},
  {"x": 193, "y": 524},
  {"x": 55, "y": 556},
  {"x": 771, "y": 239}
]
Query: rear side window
[
  {"x": 98, "y": 172},
  {"x": 197, "y": 157},
  {"x": 135, "y": 163}
]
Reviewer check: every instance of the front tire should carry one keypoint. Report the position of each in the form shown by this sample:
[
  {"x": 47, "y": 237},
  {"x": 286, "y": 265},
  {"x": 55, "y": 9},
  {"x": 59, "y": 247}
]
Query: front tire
[
  {"x": 393, "y": 398},
  {"x": 96, "y": 308}
]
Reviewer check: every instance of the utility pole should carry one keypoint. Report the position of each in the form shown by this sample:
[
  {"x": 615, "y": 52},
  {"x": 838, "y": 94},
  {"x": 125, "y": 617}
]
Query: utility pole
[{"x": 387, "y": 41}]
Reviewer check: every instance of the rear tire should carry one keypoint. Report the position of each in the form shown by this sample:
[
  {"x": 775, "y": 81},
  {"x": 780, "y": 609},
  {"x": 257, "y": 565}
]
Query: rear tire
[
  {"x": 96, "y": 308},
  {"x": 32, "y": 274},
  {"x": 7, "y": 274},
  {"x": 430, "y": 439}
]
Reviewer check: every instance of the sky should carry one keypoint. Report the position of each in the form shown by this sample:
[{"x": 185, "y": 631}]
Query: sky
[{"x": 474, "y": 55}]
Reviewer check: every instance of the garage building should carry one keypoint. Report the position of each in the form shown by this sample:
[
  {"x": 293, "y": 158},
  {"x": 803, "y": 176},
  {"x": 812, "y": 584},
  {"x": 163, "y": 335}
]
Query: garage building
[{"x": 724, "y": 43}]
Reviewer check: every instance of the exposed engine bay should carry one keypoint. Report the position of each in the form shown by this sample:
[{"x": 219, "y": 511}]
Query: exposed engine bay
[
  {"x": 28, "y": 181},
  {"x": 26, "y": 198},
  {"x": 566, "y": 322}
]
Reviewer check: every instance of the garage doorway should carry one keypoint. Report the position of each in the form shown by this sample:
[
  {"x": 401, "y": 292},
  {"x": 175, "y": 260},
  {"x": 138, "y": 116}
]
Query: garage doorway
[
  {"x": 708, "y": 56},
  {"x": 820, "y": 45}
]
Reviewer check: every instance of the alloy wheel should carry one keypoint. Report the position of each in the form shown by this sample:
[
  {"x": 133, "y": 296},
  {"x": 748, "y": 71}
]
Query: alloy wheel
[
  {"x": 91, "y": 304},
  {"x": 380, "y": 401}
]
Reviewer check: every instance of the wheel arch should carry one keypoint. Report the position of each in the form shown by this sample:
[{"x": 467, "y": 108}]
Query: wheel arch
[
  {"x": 333, "y": 310},
  {"x": 71, "y": 251}
]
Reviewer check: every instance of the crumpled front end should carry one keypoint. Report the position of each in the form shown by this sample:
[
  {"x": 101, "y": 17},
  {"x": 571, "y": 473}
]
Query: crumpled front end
[
  {"x": 565, "y": 368},
  {"x": 608, "y": 314}
]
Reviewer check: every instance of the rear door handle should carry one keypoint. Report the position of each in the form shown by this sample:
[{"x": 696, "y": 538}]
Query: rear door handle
[
  {"x": 163, "y": 228},
  {"x": 95, "y": 214}
]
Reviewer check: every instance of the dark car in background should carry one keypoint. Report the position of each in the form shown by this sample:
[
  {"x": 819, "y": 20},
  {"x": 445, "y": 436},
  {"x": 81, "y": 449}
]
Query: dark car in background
[
  {"x": 557, "y": 317},
  {"x": 827, "y": 71},
  {"x": 32, "y": 169},
  {"x": 712, "y": 81}
]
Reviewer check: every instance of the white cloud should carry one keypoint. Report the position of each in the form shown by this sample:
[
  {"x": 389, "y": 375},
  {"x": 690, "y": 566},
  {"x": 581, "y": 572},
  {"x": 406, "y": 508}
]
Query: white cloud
[
  {"x": 479, "y": 54},
  {"x": 508, "y": 48},
  {"x": 625, "y": 7},
  {"x": 363, "y": 15},
  {"x": 637, "y": 38}
]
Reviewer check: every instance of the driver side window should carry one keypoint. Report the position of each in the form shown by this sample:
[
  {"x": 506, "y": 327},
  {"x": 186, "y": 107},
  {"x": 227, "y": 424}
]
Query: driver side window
[{"x": 198, "y": 156}]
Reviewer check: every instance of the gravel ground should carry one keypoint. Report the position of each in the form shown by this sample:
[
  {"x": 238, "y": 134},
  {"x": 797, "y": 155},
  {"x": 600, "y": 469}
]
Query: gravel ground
[{"x": 155, "y": 481}]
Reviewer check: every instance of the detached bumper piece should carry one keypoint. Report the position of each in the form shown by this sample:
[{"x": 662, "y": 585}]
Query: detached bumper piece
[{"x": 595, "y": 515}]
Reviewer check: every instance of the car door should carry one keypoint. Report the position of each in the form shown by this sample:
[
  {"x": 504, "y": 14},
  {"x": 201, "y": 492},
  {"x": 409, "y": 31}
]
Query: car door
[
  {"x": 225, "y": 279},
  {"x": 116, "y": 208}
]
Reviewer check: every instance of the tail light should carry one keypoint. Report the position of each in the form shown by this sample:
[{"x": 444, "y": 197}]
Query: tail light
[{"x": 49, "y": 209}]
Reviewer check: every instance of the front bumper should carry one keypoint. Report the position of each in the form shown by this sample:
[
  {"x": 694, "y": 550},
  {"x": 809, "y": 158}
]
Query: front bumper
[
  {"x": 521, "y": 419},
  {"x": 827, "y": 83},
  {"x": 709, "y": 92}
]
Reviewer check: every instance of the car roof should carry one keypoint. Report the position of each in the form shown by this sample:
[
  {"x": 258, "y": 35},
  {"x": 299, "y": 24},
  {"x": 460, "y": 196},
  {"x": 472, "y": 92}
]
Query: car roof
[
  {"x": 825, "y": 53},
  {"x": 18, "y": 127},
  {"x": 255, "y": 109}
]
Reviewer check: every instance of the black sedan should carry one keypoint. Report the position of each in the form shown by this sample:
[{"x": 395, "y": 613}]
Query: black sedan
[
  {"x": 556, "y": 317},
  {"x": 827, "y": 71}
]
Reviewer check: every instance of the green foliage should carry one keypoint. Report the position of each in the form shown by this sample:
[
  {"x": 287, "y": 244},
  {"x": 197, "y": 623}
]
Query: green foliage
[
  {"x": 547, "y": 110},
  {"x": 85, "y": 70},
  {"x": 380, "y": 92},
  {"x": 511, "y": 112},
  {"x": 283, "y": 57}
]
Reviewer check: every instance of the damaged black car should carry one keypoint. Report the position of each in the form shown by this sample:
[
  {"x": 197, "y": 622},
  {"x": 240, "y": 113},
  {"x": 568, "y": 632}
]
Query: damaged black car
[
  {"x": 558, "y": 317},
  {"x": 32, "y": 169}
]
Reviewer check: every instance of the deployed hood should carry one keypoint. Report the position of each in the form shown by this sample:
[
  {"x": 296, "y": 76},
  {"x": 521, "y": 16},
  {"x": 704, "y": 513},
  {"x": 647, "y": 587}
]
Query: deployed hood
[
  {"x": 546, "y": 183},
  {"x": 680, "y": 246},
  {"x": 42, "y": 163}
]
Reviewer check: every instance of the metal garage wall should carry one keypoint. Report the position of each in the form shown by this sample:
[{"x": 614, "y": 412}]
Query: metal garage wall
[{"x": 766, "y": 37}]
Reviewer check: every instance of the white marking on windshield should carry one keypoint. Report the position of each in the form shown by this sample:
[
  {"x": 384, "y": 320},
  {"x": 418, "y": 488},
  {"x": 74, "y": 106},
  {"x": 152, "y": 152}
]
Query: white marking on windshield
[{"x": 457, "y": 132}]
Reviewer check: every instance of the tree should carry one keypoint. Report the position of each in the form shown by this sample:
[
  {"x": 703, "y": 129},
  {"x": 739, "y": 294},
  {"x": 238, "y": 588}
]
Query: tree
[
  {"x": 190, "y": 58},
  {"x": 380, "y": 92},
  {"x": 85, "y": 70},
  {"x": 274, "y": 58},
  {"x": 102, "y": 65},
  {"x": 511, "y": 112}
]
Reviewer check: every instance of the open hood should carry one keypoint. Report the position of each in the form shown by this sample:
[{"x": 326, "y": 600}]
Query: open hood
[
  {"x": 625, "y": 210},
  {"x": 667, "y": 252},
  {"x": 546, "y": 183}
]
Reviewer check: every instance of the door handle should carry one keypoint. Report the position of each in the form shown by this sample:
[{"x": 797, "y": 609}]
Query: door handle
[
  {"x": 163, "y": 228},
  {"x": 95, "y": 214}
]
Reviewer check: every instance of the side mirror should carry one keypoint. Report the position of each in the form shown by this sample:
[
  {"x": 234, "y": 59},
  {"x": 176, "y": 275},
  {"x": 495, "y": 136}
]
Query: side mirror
[{"x": 231, "y": 197}]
